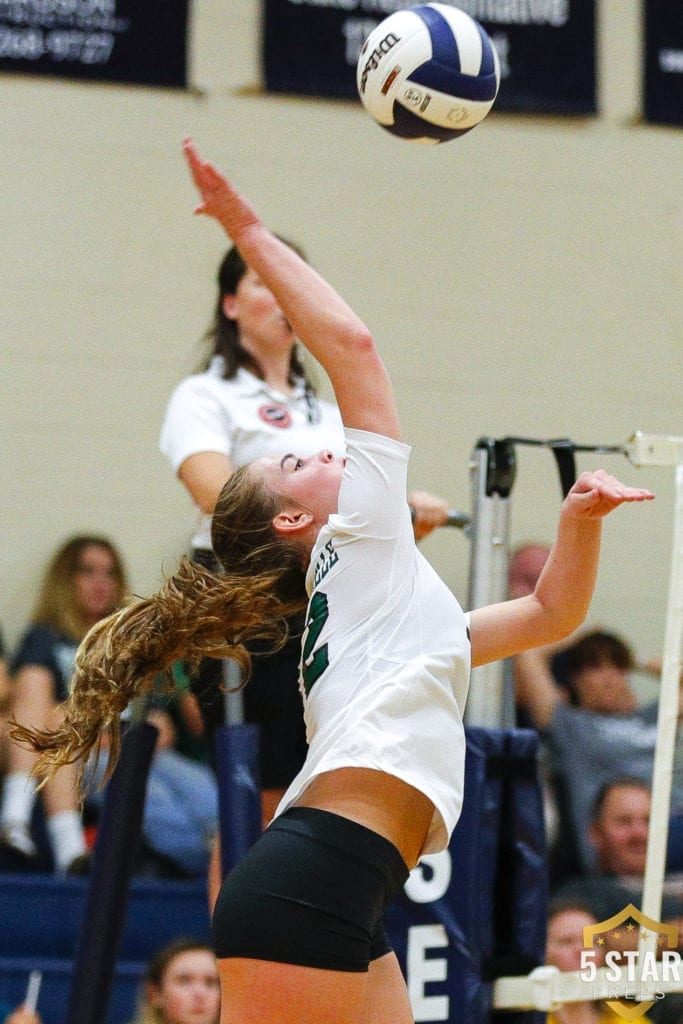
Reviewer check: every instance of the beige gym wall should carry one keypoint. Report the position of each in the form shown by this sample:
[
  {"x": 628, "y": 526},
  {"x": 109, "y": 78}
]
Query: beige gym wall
[{"x": 522, "y": 280}]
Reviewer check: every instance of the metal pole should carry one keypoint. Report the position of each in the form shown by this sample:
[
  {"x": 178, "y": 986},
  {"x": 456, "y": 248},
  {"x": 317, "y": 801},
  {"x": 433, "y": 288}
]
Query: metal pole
[
  {"x": 233, "y": 702},
  {"x": 492, "y": 468}
]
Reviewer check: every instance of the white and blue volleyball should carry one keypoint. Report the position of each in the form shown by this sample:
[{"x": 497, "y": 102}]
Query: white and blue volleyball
[{"x": 428, "y": 74}]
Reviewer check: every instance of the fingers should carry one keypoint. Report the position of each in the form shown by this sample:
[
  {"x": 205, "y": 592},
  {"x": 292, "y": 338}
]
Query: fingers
[
  {"x": 611, "y": 488},
  {"x": 195, "y": 164},
  {"x": 192, "y": 156},
  {"x": 190, "y": 149},
  {"x": 198, "y": 166},
  {"x": 595, "y": 494},
  {"x": 203, "y": 172},
  {"x": 602, "y": 481},
  {"x": 207, "y": 179},
  {"x": 218, "y": 198}
]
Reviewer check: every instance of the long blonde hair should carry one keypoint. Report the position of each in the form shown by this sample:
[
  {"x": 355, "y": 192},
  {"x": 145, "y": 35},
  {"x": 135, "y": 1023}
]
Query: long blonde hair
[{"x": 196, "y": 614}]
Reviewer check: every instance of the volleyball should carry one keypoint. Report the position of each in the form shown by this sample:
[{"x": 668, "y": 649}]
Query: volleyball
[{"x": 428, "y": 74}]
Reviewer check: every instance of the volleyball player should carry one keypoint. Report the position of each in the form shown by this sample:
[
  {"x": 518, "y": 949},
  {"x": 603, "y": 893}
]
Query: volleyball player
[{"x": 385, "y": 663}]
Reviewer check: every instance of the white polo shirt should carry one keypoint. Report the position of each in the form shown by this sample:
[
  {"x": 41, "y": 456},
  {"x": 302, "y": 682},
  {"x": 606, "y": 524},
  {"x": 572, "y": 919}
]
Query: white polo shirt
[{"x": 244, "y": 419}]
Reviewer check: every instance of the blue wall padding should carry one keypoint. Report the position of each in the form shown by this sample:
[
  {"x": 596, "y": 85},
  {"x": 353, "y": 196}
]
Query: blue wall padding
[
  {"x": 239, "y": 790},
  {"x": 494, "y": 909},
  {"x": 115, "y": 850}
]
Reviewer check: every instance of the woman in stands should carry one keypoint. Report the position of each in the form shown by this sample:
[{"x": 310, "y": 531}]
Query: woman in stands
[
  {"x": 181, "y": 986},
  {"x": 84, "y": 582}
]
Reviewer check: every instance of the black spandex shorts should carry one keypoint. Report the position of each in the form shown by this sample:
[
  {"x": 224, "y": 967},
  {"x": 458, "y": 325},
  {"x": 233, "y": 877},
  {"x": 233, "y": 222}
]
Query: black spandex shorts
[{"x": 311, "y": 891}]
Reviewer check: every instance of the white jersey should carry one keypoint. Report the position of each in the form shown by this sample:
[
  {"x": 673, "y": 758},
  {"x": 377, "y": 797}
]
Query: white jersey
[
  {"x": 244, "y": 419},
  {"x": 386, "y": 652}
]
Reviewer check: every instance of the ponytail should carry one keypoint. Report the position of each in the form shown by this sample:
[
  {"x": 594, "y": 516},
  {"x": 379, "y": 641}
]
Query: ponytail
[{"x": 196, "y": 614}]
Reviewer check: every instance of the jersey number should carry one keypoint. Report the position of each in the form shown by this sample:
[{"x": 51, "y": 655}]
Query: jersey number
[{"x": 315, "y": 662}]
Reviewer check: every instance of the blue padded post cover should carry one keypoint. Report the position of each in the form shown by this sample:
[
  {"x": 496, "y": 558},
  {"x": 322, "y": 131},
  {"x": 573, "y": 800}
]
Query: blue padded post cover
[
  {"x": 115, "y": 850},
  {"x": 239, "y": 791},
  {"x": 478, "y": 910}
]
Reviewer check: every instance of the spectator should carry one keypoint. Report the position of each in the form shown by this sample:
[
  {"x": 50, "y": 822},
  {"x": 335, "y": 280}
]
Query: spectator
[
  {"x": 603, "y": 733},
  {"x": 566, "y": 861},
  {"x": 183, "y": 708},
  {"x": 524, "y": 568},
  {"x": 618, "y": 833},
  {"x": 526, "y": 563},
  {"x": 619, "y": 828},
  {"x": 180, "y": 821},
  {"x": 84, "y": 581},
  {"x": 180, "y": 817},
  {"x": 181, "y": 986}
]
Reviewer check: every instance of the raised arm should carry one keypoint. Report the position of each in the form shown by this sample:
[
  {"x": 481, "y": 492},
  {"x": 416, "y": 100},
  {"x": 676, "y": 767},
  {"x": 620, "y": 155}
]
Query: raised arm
[
  {"x": 535, "y": 688},
  {"x": 565, "y": 587},
  {"x": 320, "y": 318}
]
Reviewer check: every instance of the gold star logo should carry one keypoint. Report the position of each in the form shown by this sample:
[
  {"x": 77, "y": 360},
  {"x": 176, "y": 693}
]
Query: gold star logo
[{"x": 629, "y": 919}]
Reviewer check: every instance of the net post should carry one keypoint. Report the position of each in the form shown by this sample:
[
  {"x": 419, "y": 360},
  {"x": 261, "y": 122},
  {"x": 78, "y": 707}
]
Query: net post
[{"x": 492, "y": 467}]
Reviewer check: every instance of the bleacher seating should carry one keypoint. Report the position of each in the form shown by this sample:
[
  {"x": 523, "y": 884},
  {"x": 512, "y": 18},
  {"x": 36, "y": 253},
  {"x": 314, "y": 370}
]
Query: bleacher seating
[{"x": 40, "y": 921}]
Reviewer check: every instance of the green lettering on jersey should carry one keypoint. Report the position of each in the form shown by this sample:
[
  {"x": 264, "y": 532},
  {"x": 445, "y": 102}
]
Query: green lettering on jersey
[{"x": 314, "y": 662}]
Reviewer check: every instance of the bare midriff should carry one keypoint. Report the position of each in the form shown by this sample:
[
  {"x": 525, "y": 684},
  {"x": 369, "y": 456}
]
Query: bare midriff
[{"x": 381, "y": 802}]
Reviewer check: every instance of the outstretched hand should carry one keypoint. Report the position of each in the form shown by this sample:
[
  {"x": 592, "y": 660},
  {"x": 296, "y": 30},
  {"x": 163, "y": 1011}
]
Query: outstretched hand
[
  {"x": 596, "y": 494},
  {"x": 218, "y": 197}
]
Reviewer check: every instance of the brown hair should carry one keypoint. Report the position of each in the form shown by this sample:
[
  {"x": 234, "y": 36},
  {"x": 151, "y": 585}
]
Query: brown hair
[
  {"x": 196, "y": 614},
  {"x": 223, "y": 336},
  {"x": 597, "y": 649},
  {"x": 56, "y": 605},
  {"x": 618, "y": 782},
  {"x": 562, "y": 904},
  {"x": 156, "y": 970}
]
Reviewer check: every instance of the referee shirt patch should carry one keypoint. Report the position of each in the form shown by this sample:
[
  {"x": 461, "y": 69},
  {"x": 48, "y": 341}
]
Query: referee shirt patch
[{"x": 275, "y": 414}]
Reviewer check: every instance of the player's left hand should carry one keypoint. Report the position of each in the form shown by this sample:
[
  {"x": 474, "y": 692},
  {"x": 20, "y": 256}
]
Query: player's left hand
[
  {"x": 429, "y": 512},
  {"x": 596, "y": 494}
]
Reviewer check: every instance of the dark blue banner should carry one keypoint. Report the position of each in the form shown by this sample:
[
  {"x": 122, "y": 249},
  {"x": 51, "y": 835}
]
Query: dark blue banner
[
  {"x": 663, "y": 101},
  {"x": 141, "y": 42},
  {"x": 546, "y": 48}
]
